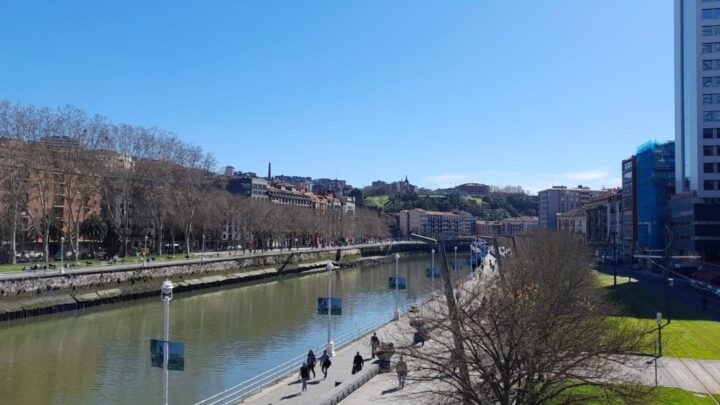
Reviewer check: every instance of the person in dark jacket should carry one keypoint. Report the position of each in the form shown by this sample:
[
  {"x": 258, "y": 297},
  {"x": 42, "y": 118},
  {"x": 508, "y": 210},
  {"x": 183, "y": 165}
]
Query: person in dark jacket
[
  {"x": 358, "y": 363},
  {"x": 324, "y": 363},
  {"x": 304, "y": 376},
  {"x": 374, "y": 344},
  {"x": 311, "y": 360}
]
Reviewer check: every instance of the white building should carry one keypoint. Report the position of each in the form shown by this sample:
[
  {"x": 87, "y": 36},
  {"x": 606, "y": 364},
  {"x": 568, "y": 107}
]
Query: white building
[
  {"x": 559, "y": 199},
  {"x": 435, "y": 224},
  {"x": 696, "y": 206}
]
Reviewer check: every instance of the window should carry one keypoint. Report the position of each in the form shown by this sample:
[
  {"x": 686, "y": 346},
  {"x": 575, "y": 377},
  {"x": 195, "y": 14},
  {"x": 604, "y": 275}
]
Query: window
[
  {"x": 711, "y": 47},
  {"x": 711, "y": 14},
  {"x": 710, "y": 30},
  {"x": 711, "y": 116},
  {"x": 708, "y": 168},
  {"x": 707, "y": 133},
  {"x": 709, "y": 185},
  {"x": 707, "y": 150}
]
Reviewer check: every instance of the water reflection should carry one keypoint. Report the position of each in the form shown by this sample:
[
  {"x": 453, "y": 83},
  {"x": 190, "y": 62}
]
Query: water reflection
[{"x": 102, "y": 356}]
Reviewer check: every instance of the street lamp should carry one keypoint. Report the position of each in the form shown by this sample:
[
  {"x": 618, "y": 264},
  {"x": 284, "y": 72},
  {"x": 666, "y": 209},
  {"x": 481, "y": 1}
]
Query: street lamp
[
  {"x": 455, "y": 261},
  {"x": 145, "y": 252},
  {"x": 330, "y": 344},
  {"x": 432, "y": 272},
  {"x": 166, "y": 296},
  {"x": 202, "y": 254},
  {"x": 62, "y": 255},
  {"x": 668, "y": 286},
  {"x": 397, "y": 284}
]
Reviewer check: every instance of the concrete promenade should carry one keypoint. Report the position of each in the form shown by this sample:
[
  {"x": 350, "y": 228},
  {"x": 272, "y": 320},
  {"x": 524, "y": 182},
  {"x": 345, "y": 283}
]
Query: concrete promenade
[{"x": 321, "y": 390}]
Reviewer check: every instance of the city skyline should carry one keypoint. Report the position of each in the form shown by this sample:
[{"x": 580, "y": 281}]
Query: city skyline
[{"x": 510, "y": 97}]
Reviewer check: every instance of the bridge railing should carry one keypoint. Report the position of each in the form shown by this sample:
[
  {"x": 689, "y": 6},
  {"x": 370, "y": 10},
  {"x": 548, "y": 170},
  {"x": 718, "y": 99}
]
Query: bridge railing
[{"x": 239, "y": 392}]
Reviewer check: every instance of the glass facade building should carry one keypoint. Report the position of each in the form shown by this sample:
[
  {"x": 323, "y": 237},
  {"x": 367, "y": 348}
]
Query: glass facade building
[{"x": 655, "y": 182}]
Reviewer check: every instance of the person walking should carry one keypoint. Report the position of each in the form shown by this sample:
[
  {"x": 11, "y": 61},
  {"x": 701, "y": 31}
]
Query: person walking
[
  {"x": 325, "y": 364},
  {"x": 311, "y": 360},
  {"x": 304, "y": 376},
  {"x": 374, "y": 344},
  {"x": 358, "y": 363},
  {"x": 401, "y": 369}
]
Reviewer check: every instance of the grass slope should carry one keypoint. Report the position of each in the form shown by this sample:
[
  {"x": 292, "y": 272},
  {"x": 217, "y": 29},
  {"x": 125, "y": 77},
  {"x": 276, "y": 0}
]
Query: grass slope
[{"x": 690, "y": 334}]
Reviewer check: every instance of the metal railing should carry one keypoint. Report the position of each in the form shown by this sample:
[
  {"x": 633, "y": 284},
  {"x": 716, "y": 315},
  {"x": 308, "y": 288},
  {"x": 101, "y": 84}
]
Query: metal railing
[{"x": 239, "y": 392}]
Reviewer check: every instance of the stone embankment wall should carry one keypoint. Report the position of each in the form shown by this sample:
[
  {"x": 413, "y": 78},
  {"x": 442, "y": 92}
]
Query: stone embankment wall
[{"x": 38, "y": 294}]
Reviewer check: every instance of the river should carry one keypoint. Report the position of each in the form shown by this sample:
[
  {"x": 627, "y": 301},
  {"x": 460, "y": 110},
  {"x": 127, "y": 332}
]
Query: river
[{"x": 102, "y": 355}]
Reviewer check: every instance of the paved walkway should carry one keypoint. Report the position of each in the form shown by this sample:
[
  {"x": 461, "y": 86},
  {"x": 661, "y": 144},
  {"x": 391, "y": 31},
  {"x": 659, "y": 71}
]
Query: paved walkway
[{"x": 320, "y": 389}]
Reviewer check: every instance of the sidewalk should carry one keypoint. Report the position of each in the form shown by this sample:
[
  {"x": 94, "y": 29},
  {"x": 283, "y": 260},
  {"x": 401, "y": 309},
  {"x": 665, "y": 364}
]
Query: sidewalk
[{"x": 319, "y": 389}]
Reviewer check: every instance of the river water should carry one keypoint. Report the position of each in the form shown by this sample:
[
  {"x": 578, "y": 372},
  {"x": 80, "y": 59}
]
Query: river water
[{"x": 102, "y": 356}]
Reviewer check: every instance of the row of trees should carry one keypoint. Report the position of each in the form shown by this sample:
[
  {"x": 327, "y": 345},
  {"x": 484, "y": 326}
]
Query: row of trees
[{"x": 66, "y": 174}]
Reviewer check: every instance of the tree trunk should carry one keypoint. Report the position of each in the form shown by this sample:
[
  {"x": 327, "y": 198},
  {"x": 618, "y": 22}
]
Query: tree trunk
[
  {"x": 13, "y": 235},
  {"x": 46, "y": 244},
  {"x": 159, "y": 240}
]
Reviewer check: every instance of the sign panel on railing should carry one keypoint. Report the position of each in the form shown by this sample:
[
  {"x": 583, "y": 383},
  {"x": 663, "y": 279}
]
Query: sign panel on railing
[
  {"x": 401, "y": 283},
  {"x": 176, "y": 361},
  {"x": 432, "y": 272},
  {"x": 335, "y": 306}
]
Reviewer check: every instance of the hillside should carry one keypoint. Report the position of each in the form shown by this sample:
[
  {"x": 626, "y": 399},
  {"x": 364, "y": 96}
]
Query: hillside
[{"x": 496, "y": 206}]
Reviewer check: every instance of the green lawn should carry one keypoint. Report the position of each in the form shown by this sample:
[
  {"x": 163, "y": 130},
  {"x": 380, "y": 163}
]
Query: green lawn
[
  {"x": 660, "y": 396},
  {"x": 377, "y": 201},
  {"x": 478, "y": 201},
  {"x": 88, "y": 263},
  {"x": 606, "y": 280},
  {"x": 690, "y": 333}
]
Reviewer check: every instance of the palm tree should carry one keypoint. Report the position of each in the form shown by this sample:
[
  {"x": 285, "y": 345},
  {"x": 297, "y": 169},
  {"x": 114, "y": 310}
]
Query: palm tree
[{"x": 93, "y": 228}]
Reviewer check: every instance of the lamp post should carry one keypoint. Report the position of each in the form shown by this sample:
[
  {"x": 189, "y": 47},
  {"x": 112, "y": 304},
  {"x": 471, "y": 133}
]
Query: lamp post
[
  {"x": 330, "y": 344},
  {"x": 659, "y": 325},
  {"x": 166, "y": 296},
  {"x": 668, "y": 286},
  {"x": 432, "y": 272},
  {"x": 397, "y": 284},
  {"x": 455, "y": 261},
  {"x": 202, "y": 254},
  {"x": 145, "y": 252},
  {"x": 62, "y": 255}
]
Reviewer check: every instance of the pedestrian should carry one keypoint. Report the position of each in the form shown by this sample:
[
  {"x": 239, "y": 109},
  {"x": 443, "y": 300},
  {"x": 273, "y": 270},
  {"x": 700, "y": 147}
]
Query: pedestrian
[
  {"x": 401, "y": 369},
  {"x": 374, "y": 344},
  {"x": 304, "y": 376},
  {"x": 325, "y": 364},
  {"x": 358, "y": 363},
  {"x": 311, "y": 362}
]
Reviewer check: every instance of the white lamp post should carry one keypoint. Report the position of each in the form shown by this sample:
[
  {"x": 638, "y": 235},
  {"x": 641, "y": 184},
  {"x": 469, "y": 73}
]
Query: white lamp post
[
  {"x": 397, "y": 284},
  {"x": 62, "y": 254},
  {"x": 432, "y": 272},
  {"x": 145, "y": 252},
  {"x": 330, "y": 344},
  {"x": 455, "y": 261},
  {"x": 166, "y": 296}
]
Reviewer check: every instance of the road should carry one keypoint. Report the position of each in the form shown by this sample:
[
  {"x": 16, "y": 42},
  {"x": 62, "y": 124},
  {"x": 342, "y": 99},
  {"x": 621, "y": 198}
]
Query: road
[
  {"x": 203, "y": 257},
  {"x": 679, "y": 293}
]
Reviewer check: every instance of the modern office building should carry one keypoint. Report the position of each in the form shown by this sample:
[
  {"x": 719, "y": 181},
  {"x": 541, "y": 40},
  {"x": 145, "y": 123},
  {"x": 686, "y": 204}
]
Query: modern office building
[
  {"x": 559, "y": 199},
  {"x": 655, "y": 170},
  {"x": 696, "y": 205}
]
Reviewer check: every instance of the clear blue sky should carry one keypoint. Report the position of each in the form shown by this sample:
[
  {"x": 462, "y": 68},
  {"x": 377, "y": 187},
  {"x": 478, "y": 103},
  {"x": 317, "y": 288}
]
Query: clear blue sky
[{"x": 530, "y": 92}]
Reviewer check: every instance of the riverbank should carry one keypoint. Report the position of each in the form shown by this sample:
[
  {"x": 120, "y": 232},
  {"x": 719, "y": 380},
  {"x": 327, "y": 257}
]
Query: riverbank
[{"x": 33, "y": 295}]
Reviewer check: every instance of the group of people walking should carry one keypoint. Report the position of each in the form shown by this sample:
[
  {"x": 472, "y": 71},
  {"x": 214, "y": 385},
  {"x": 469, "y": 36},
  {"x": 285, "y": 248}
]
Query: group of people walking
[{"x": 308, "y": 366}]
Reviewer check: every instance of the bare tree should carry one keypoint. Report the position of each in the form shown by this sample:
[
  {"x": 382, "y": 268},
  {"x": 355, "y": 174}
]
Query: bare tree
[{"x": 543, "y": 333}]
